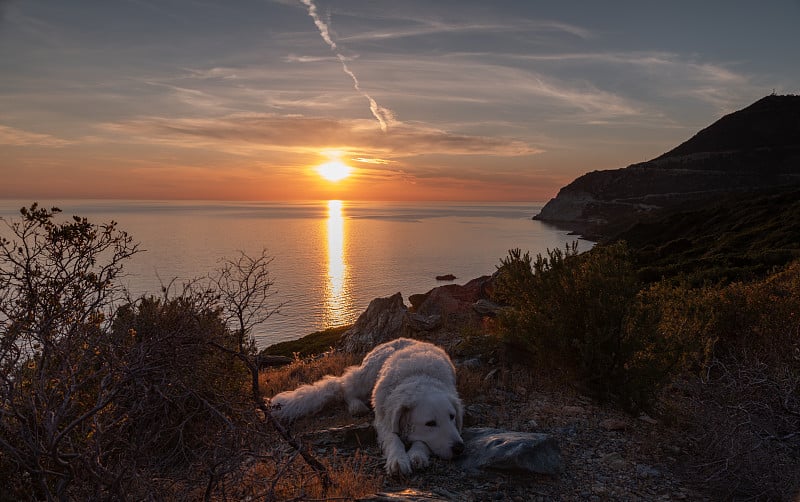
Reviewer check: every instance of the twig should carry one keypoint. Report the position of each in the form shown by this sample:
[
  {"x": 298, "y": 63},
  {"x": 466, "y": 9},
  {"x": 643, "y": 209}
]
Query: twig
[{"x": 295, "y": 443}]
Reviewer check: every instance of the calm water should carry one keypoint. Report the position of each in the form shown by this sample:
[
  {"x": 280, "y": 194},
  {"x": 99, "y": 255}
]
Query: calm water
[{"x": 330, "y": 258}]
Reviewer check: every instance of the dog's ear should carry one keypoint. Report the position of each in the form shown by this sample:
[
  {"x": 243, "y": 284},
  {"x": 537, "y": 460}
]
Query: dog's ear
[
  {"x": 400, "y": 420},
  {"x": 459, "y": 412}
]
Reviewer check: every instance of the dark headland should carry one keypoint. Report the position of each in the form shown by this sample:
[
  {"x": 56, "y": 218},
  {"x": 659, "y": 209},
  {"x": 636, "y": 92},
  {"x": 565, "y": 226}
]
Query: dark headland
[{"x": 754, "y": 150}]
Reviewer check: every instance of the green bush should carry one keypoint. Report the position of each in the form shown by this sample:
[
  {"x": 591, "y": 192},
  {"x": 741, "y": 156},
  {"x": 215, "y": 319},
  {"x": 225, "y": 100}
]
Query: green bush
[{"x": 584, "y": 312}]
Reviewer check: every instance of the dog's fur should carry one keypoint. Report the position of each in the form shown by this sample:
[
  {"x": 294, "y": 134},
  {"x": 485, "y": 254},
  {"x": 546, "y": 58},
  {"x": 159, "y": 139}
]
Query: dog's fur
[{"x": 412, "y": 387}]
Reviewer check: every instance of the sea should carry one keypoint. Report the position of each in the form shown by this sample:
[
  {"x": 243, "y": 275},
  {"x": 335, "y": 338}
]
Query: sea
[{"x": 329, "y": 258}]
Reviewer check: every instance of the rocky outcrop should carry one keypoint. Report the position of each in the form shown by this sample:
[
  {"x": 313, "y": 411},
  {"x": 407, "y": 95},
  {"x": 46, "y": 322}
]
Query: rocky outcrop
[
  {"x": 385, "y": 319},
  {"x": 453, "y": 302},
  {"x": 755, "y": 148},
  {"x": 444, "y": 308}
]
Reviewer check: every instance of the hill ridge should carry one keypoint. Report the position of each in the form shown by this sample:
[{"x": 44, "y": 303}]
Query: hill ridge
[{"x": 754, "y": 148}]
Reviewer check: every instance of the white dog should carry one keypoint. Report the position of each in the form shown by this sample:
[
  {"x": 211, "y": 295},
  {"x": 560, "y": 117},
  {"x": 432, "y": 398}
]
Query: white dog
[{"x": 412, "y": 385}]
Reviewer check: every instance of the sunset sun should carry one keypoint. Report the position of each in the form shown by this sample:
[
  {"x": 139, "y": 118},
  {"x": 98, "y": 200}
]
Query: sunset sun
[{"x": 334, "y": 170}]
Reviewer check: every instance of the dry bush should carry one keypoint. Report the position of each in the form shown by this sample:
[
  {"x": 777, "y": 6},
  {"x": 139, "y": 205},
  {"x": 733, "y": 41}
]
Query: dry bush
[
  {"x": 745, "y": 424},
  {"x": 107, "y": 398},
  {"x": 742, "y": 408}
]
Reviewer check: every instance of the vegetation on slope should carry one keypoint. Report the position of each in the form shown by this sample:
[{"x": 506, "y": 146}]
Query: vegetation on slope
[
  {"x": 695, "y": 318},
  {"x": 738, "y": 237},
  {"x": 698, "y": 316},
  {"x": 309, "y": 345}
]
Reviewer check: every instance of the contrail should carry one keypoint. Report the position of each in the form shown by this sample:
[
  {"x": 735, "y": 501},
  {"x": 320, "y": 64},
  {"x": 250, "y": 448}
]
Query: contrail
[{"x": 383, "y": 115}]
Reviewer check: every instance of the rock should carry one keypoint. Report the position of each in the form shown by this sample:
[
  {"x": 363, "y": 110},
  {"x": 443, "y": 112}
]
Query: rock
[
  {"x": 407, "y": 495},
  {"x": 473, "y": 363},
  {"x": 614, "y": 460},
  {"x": 453, "y": 302},
  {"x": 645, "y": 471},
  {"x": 420, "y": 322},
  {"x": 613, "y": 424},
  {"x": 491, "y": 375},
  {"x": 486, "y": 307},
  {"x": 385, "y": 319},
  {"x": 269, "y": 361},
  {"x": 446, "y": 277},
  {"x": 647, "y": 419},
  {"x": 573, "y": 410},
  {"x": 493, "y": 449},
  {"x": 417, "y": 299}
]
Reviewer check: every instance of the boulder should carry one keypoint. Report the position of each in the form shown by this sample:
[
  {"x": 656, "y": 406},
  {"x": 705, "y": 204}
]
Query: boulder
[
  {"x": 385, "y": 319},
  {"x": 486, "y": 307},
  {"x": 446, "y": 277},
  {"x": 451, "y": 306},
  {"x": 453, "y": 302},
  {"x": 499, "y": 450},
  {"x": 416, "y": 300},
  {"x": 420, "y": 322}
]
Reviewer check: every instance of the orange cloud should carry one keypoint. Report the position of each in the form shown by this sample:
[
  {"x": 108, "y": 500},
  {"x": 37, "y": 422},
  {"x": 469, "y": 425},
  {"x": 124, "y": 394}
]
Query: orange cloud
[
  {"x": 17, "y": 137},
  {"x": 245, "y": 133}
]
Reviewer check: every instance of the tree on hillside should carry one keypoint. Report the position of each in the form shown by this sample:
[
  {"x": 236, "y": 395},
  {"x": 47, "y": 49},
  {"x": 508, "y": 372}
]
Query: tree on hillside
[{"x": 244, "y": 288}]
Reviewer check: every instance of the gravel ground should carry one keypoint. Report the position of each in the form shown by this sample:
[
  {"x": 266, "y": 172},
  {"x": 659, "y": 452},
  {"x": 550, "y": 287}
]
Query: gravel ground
[{"x": 608, "y": 455}]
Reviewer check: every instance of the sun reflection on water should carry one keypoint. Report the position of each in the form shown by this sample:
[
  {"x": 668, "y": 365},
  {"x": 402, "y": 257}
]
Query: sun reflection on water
[{"x": 337, "y": 296}]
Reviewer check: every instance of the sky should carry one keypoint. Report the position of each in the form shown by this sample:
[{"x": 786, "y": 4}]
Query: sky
[{"x": 423, "y": 100}]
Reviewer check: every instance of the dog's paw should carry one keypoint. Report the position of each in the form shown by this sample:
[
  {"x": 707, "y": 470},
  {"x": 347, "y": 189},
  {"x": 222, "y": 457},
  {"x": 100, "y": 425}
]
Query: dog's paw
[
  {"x": 356, "y": 407},
  {"x": 419, "y": 459},
  {"x": 400, "y": 464}
]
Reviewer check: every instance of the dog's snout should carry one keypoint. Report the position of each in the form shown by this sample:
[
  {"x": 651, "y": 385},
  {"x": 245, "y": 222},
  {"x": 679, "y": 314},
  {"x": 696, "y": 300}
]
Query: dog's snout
[{"x": 458, "y": 448}]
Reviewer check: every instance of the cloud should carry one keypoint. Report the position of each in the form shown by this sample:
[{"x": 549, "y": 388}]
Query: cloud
[
  {"x": 423, "y": 27},
  {"x": 247, "y": 133},
  {"x": 364, "y": 160},
  {"x": 17, "y": 137},
  {"x": 661, "y": 74}
]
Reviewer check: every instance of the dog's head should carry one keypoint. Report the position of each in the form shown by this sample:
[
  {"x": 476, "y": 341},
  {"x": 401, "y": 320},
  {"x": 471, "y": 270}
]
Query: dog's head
[{"x": 434, "y": 419}]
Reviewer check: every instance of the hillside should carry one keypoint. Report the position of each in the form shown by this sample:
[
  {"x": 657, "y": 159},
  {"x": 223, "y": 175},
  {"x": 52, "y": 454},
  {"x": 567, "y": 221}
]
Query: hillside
[
  {"x": 737, "y": 237},
  {"x": 754, "y": 148}
]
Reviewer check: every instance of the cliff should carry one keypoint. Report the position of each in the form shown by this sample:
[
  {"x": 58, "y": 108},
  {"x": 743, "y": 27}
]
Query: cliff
[{"x": 755, "y": 148}]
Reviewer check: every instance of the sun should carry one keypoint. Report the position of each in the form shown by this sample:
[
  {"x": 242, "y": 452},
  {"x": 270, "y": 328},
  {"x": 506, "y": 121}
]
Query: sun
[{"x": 335, "y": 170}]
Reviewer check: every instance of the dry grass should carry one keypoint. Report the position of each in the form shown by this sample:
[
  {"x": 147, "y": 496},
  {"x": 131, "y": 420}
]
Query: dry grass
[
  {"x": 302, "y": 371},
  {"x": 283, "y": 475},
  {"x": 287, "y": 477}
]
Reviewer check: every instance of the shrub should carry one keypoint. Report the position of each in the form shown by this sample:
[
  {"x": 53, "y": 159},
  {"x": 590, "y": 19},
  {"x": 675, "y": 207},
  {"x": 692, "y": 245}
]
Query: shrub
[
  {"x": 743, "y": 405},
  {"x": 58, "y": 370},
  {"x": 583, "y": 312},
  {"x": 102, "y": 397},
  {"x": 183, "y": 396}
]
